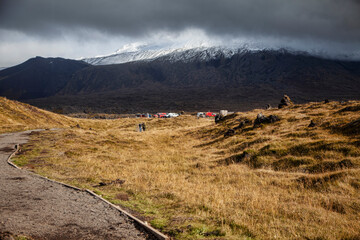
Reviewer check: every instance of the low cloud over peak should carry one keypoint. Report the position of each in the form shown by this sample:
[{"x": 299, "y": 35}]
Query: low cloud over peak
[{"x": 324, "y": 25}]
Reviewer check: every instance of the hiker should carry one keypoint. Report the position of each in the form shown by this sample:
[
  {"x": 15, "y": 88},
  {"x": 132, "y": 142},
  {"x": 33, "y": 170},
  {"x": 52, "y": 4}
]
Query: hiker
[
  {"x": 140, "y": 127},
  {"x": 143, "y": 126}
]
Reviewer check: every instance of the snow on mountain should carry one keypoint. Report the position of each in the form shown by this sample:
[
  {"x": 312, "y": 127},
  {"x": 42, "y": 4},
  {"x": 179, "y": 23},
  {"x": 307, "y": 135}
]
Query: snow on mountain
[
  {"x": 131, "y": 56},
  {"x": 131, "y": 53},
  {"x": 202, "y": 54}
]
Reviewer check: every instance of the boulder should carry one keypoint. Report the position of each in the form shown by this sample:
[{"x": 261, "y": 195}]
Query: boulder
[
  {"x": 223, "y": 113},
  {"x": 262, "y": 119},
  {"x": 285, "y": 102},
  {"x": 218, "y": 118},
  {"x": 312, "y": 124},
  {"x": 273, "y": 118}
]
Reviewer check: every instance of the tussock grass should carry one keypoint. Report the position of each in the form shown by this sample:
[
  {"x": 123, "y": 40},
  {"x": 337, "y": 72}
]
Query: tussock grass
[{"x": 282, "y": 180}]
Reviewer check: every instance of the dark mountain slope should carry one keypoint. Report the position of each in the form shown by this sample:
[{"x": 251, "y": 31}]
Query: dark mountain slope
[
  {"x": 281, "y": 70},
  {"x": 38, "y": 77},
  {"x": 244, "y": 81}
]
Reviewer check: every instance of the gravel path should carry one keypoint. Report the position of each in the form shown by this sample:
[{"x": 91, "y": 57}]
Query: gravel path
[{"x": 35, "y": 207}]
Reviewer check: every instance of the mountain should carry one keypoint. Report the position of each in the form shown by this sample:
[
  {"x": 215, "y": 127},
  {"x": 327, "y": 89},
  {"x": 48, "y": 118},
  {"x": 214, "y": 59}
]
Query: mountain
[
  {"x": 145, "y": 53},
  {"x": 38, "y": 77},
  {"x": 128, "y": 55},
  {"x": 192, "y": 80}
]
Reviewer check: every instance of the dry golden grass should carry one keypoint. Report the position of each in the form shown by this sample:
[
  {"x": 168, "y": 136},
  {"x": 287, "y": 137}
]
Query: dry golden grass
[
  {"x": 16, "y": 116},
  {"x": 191, "y": 182}
]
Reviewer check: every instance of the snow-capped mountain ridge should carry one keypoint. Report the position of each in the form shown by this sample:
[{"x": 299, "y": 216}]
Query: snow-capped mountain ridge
[
  {"x": 143, "y": 53},
  {"x": 202, "y": 54},
  {"x": 148, "y": 52}
]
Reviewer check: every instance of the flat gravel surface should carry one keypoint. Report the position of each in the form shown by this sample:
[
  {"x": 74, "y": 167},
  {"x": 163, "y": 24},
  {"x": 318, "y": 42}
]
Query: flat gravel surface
[{"x": 35, "y": 207}]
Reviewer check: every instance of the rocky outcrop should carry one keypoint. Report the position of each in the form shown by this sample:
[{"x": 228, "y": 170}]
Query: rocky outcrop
[
  {"x": 218, "y": 118},
  {"x": 285, "y": 102},
  {"x": 243, "y": 122},
  {"x": 262, "y": 119}
]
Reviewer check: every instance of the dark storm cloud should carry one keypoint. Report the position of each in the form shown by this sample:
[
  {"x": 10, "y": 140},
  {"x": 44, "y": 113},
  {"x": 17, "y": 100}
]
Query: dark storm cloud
[{"x": 332, "y": 20}]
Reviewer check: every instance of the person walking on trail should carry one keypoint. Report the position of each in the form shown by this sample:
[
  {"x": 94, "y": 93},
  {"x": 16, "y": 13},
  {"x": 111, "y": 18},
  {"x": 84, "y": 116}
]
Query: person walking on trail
[
  {"x": 140, "y": 127},
  {"x": 143, "y": 126}
]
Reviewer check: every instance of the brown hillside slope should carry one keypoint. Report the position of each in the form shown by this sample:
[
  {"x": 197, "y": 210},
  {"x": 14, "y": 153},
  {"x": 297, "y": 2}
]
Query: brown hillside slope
[{"x": 17, "y": 116}]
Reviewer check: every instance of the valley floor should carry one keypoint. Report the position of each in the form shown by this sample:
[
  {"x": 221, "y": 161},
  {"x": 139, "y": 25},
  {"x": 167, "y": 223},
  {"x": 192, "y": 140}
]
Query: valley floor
[{"x": 282, "y": 180}]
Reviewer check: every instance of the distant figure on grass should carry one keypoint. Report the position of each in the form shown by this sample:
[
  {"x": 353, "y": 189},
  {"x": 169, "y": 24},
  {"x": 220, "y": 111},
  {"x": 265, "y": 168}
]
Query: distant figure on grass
[{"x": 143, "y": 127}]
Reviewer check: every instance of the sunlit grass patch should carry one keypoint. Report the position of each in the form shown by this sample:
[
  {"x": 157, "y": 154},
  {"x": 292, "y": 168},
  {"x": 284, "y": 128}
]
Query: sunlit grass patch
[{"x": 283, "y": 180}]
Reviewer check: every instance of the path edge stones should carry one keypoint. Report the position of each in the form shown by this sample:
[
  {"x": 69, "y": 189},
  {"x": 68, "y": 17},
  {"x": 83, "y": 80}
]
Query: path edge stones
[{"x": 144, "y": 225}]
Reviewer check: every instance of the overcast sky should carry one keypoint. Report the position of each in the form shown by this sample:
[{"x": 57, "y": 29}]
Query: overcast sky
[{"x": 84, "y": 28}]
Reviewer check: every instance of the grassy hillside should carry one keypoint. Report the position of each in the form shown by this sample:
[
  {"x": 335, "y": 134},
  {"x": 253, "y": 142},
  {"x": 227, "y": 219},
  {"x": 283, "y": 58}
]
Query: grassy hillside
[
  {"x": 282, "y": 180},
  {"x": 16, "y": 116}
]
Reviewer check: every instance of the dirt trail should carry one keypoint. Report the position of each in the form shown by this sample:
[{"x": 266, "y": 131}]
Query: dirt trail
[{"x": 35, "y": 207}]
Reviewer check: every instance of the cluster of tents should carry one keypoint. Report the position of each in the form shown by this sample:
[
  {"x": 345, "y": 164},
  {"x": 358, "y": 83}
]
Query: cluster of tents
[
  {"x": 157, "y": 115},
  {"x": 172, "y": 115},
  {"x": 205, "y": 114}
]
